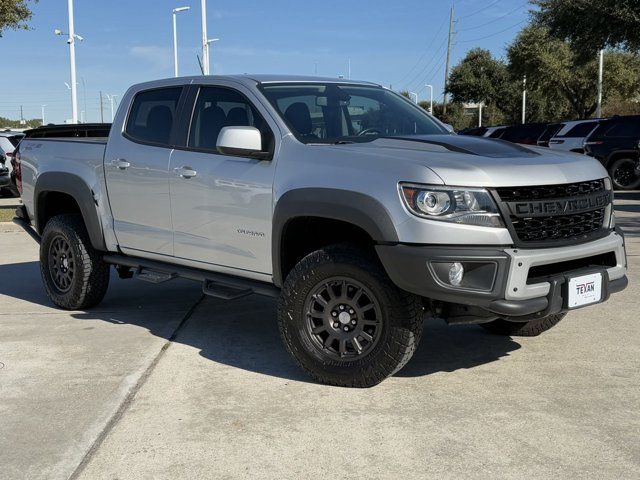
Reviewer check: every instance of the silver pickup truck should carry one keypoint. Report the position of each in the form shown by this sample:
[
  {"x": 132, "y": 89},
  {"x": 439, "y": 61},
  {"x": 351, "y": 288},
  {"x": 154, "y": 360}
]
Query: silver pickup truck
[{"x": 357, "y": 209}]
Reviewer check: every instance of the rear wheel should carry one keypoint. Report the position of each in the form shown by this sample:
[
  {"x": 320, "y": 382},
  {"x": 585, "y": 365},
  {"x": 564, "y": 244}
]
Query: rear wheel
[
  {"x": 344, "y": 322},
  {"x": 532, "y": 328},
  {"x": 74, "y": 275},
  {"x": 623, "y": 174}
]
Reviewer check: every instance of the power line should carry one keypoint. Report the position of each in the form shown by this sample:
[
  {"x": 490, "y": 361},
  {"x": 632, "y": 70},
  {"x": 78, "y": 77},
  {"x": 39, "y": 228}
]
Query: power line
[
  {"x": 480, "y": 10},
  {"x": 429, "y": 63},
  {"x": 495, "y": 19},
  {"x": 424, "y": 54},
  {"x": 493, "y": 34},
  {"x": 434, "y": 69}
]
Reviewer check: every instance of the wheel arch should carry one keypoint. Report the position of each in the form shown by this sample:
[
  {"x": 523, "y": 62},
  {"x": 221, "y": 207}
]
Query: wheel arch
[
  {"x": 60, "y": 192},
  {"x": 632, "y": 154},
  {"x": 357, "y": 216}
]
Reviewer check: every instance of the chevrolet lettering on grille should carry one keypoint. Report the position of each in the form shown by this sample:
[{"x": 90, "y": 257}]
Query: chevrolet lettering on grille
[{"x": 555, "y": 207}]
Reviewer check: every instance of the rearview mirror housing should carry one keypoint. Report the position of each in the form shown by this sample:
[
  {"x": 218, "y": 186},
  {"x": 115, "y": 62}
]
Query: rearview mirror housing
[{"x": 241, "y": 141}]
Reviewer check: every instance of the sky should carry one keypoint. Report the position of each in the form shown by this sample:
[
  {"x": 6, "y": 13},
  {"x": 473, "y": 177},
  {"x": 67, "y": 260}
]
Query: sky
[{"x": 401, "y": 44}]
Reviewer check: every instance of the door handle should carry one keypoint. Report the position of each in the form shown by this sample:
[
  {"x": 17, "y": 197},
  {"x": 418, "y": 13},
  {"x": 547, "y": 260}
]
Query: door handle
[
  {"x": 185, "y": 172},
  {"x": 121, "y": 163}
]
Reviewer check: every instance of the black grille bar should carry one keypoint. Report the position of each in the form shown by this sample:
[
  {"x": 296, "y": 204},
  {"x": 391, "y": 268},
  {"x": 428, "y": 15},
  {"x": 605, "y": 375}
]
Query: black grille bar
[{"x": 553, "y": 215}]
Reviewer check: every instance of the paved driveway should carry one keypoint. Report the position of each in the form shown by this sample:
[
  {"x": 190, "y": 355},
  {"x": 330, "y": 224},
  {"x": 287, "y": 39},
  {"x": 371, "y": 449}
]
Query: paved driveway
[{"x": 159, "y": 383}]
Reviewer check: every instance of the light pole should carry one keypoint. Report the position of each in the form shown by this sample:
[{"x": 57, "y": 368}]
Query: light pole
[
  {"x": 430, "y": 87},
  {"x": 71, "y": 40},
  {"x": 600, "y": 75},
  {"x": 43, "y": 113},
  {"x": 524, "y": 99},
  {"x": 415, "y": 94},
  {"x": 174, "y": 12},
  {"x": 111, "y": 101}
]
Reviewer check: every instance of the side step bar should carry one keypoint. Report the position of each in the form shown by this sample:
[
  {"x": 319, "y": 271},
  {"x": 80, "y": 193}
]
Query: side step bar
[
  {"x": 217, "y": 285},
  {"x": 26, "y": 226}
]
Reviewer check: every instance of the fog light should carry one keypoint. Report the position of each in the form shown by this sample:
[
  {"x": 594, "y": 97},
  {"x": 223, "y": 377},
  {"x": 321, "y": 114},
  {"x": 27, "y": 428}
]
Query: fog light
[{"x": 456, "y": 272}]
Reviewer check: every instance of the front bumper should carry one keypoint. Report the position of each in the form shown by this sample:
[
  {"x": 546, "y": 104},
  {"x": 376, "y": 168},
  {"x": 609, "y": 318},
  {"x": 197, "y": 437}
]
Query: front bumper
[{"x": 510, "y": 290}]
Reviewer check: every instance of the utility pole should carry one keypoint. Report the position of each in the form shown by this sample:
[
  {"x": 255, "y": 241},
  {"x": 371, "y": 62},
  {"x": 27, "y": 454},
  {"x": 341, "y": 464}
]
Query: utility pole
[
  {"x": 43, "y": 122},
  {"x": 72, "y": 55},
  {"x": 524, "y": 99},
  {"x": 480, "y": 114},
  {"x": 600, "y": 75},
  {"x": 446, "y": 68},
  {"x": 101, "y": 109},
  {"x": 205, "y": 40},
  {"x": 22, "y": 122}
]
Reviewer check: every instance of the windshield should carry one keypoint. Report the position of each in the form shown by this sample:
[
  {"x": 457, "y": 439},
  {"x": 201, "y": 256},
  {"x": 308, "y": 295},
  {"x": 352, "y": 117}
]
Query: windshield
[{"x": 333, "y": 113}]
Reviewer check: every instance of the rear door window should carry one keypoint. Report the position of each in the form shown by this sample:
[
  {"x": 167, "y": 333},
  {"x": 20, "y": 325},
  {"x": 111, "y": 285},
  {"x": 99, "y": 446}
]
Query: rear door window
[
  {"x": 580, "y": 130},
  {"x": 624, "y": 129},
  {"x": 152, "y": 116},
  {"x": 497, "y": 133},
  {"x": 550, "y": 131}
]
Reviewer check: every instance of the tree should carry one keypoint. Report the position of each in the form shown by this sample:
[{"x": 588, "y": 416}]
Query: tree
[
  {"x": 14, "y": 14},
  {"x": 480, "y": 78},
  {"x": 566, "y": 78},
  {"x": 591, "y": 25}
]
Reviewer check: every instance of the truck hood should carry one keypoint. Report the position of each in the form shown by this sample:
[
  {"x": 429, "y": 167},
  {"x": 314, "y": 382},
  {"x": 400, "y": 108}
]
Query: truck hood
[{"x": 472, "y": 161}]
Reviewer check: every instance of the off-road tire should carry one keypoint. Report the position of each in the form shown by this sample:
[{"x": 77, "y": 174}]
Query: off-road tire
[
  {"x": 532, "y": 328},
  {"x": 401, "y": 318},
  {"x": 631, "y": 180},
  {"x": 90, "y": 280}
]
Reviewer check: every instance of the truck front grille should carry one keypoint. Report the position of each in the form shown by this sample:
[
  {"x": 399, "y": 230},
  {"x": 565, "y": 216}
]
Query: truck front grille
[{"x": 555, "y": 214}]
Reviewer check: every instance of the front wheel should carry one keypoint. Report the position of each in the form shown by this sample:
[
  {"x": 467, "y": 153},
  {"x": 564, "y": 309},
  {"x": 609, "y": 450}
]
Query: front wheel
[
  {"x": 532, "y": 328},
  {"x": 343, "y": 320},
  {"x": 623, "y": 174},
  {"x": 74, "y": 274}
]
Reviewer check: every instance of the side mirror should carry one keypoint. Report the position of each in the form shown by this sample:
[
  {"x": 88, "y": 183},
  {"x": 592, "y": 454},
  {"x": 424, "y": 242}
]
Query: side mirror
[
  {"x": 449, "y": 127},
  {"x": 242, "y": 141}
]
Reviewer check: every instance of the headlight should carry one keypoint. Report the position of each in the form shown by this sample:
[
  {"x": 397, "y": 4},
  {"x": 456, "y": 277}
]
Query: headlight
[{"x": 471, "y": 206}]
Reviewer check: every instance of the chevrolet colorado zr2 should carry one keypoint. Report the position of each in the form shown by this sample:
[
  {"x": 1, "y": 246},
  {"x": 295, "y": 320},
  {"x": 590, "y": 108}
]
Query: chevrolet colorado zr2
[{"x": 354, "y": 207}]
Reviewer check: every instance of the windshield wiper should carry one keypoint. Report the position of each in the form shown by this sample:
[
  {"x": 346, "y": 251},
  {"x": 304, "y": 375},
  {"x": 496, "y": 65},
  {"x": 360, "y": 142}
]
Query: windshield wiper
[{"x": 342, "y": 142}]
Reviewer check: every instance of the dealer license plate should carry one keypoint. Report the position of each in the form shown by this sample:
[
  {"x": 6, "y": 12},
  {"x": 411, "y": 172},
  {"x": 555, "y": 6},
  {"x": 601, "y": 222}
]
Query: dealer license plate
[{"x": 585, "y": 290}]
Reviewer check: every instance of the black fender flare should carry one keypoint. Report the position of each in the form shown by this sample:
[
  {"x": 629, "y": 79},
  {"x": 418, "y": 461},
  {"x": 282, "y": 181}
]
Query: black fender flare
[
  {"x": 358, "y": 209},
  {"x": 75, "y": 187}
]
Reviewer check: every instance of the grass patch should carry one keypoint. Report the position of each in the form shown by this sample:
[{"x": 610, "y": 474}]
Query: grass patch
[{"x": 7, "y": 214}]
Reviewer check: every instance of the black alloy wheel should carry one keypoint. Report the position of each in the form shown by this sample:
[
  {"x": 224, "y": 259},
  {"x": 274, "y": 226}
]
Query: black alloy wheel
[
  {"x": 623, "y": 174},
  {"x": 343, "y": 318},
  {"x": 61, "y": 264}
]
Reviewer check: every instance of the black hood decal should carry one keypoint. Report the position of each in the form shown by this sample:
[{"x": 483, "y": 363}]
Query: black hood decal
[{"x": 485, "y": 147}]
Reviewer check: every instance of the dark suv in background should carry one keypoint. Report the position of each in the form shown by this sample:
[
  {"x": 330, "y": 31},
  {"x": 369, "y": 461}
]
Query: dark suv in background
[{"x": 616, "y": 144}]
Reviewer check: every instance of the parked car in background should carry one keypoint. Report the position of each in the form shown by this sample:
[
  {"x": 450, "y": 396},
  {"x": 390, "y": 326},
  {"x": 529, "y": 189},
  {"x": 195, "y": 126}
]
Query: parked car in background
[
  {"x": 550, "y": 131},
  {"x": 615, "y": 143},
  {"x": 526, "y": 133},
  {"x": 9, "y": 140},
  {"x": 572, "y": 135},
  {"x": 487, "y": 132}
]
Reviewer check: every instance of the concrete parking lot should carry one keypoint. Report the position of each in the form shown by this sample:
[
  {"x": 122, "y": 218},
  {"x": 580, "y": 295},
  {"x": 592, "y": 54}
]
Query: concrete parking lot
[{"x": 161, "y": 383}]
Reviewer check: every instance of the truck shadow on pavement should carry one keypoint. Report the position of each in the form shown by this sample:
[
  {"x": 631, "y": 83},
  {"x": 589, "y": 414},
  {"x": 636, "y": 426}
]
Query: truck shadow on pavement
[{"x": 243, "y": 333}]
